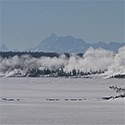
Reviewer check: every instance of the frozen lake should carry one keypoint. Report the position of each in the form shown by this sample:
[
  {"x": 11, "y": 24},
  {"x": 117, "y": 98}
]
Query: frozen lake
[{"x": 60, "y": 101}]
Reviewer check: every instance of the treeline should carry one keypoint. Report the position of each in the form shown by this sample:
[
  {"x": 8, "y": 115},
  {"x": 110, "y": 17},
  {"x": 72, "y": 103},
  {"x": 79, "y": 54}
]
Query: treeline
[
  {"x": 58, "y": 73},
  {"x": 33, "y": 54}
]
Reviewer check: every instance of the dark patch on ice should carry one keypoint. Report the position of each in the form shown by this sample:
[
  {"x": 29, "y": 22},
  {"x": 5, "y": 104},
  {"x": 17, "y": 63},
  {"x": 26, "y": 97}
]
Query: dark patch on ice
[
  {"x": 73, "y": 99},
  {"x": 113, "y": 97},
  {"x": 107, "y": 98},
  {"x": 79, "y": 99},
  {"x": 10, "y": 99},
  {"x": 120, "y": 76},
  {"x": 52, "y": 99},
  {"x": 66, "y": 99},
  {"x": 120, "y": 96},
  {"x": 76, "y": 99}
]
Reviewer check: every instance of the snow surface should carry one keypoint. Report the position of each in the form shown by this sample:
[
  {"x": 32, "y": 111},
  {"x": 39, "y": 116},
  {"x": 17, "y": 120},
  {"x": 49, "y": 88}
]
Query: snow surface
[{"x": 60, "y": 101}]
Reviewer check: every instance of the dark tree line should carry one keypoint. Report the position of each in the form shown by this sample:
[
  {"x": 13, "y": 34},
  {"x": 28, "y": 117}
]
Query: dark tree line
[
  {"x": 34, "y": 54},
  {"x": 58, "y": 73}
]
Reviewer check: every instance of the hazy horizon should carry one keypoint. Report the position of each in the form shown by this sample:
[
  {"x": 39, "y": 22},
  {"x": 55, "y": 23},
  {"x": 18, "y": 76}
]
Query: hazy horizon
[{"x": 26, "y": 23}]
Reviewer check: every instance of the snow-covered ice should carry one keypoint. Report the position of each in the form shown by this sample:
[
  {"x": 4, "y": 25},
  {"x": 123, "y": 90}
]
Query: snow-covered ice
[{"x": 60, "y": 101}]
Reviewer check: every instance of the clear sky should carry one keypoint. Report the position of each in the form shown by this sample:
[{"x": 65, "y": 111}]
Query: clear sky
[{"x": 26, "y": 23}]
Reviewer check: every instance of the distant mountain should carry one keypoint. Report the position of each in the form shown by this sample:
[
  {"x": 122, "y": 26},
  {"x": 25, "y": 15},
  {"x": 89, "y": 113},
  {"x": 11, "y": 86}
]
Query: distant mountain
[
  {"x": 66, "y": 44},
  {"x": 69, "y": 44},
  {"x": 53, "y": 43},
  {"x": 3, "y": 48},
  {"x": 113, "y": 46}
]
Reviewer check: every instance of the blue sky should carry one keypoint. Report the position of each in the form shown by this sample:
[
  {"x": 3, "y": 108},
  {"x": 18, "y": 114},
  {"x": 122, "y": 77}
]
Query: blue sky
[{"x": 26, "y": 23}]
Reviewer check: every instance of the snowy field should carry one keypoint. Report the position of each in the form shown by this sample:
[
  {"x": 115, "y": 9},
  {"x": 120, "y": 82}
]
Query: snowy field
[{"x": 60, "y": 101}]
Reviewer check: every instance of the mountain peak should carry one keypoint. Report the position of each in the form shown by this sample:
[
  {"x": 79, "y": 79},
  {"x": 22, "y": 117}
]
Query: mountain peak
[{"x": 53, "y": 35}]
